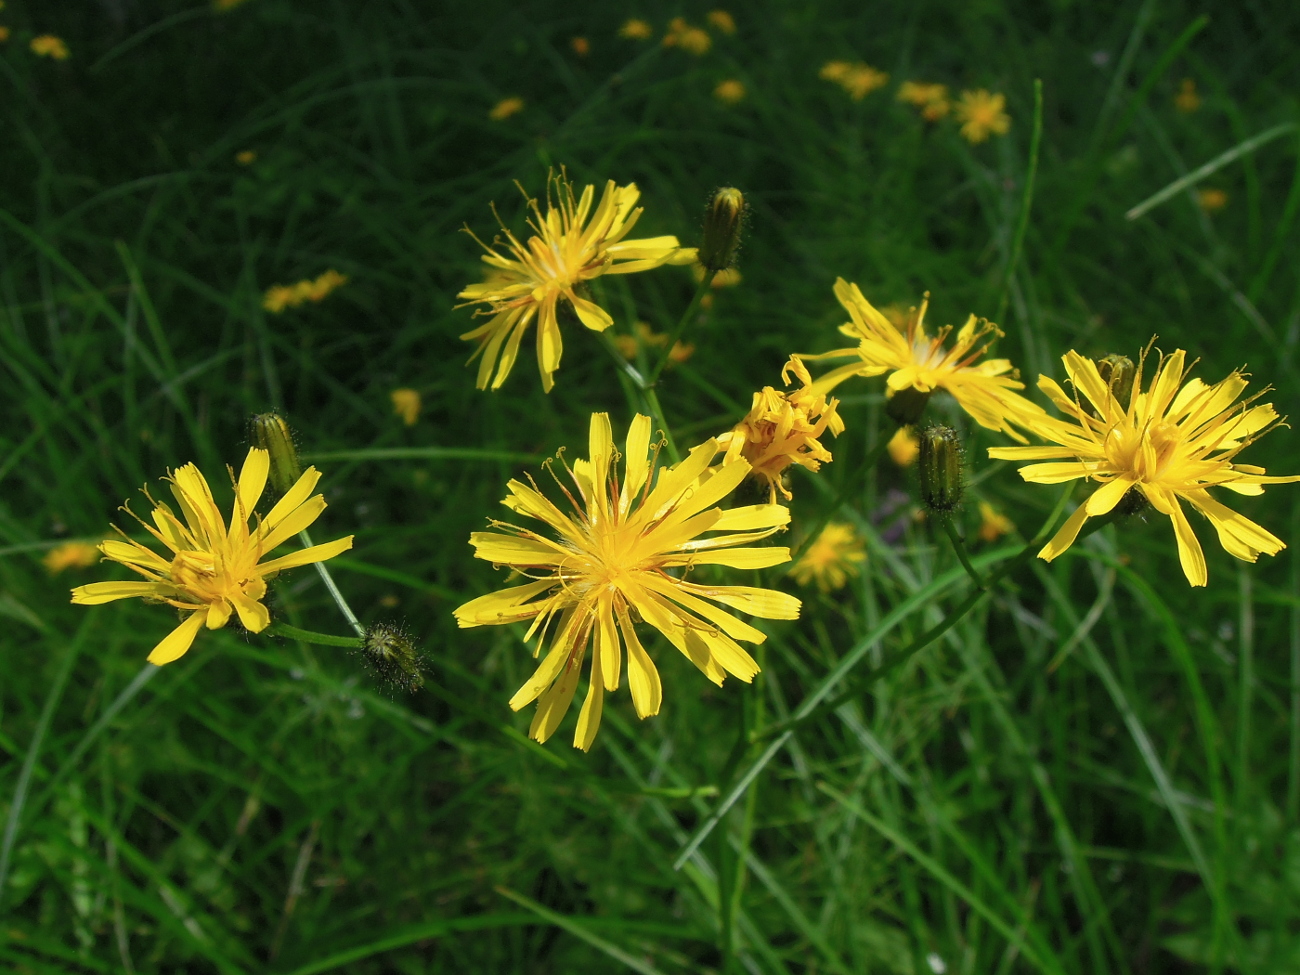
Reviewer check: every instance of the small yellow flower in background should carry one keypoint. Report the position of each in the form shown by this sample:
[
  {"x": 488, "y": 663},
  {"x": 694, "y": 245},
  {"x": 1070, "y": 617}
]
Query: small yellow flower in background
[
  {"x": 726, "y": 278},
  {"x": 994, "y": 524},
  {"x": 903, "y": 447},
  {"x": 914, "y": 360},
  {"x": 982, "y": 114},
  {"x": 723, "y": 21},
  {"x": 729, "y": 92},
  {"x": 832, "y": 559},
  {"x": 406, "y": 404},
  {"x": 1210, "y": 199},
  {"x": 49, "y": 46},
  {"x": 212, "y": 570},
  {"x": 781, "y": 429},
  {"x": 571, "y": 244},
  {"x": 688, "y": 38},
  {"x": 636, "y": 29},
  {"x": 581, "y": 46},
  {"x": 931, "y": 99},
  {"x": 856, "y": 78},
  {"x": 224, "y": 5},
  {"x": 505, "y": 108},
  {"x": 834, "y": 70},
  {"x": 625, "y": 550},
  {"x": 1188, "y": 99},
  {"x": 4, "y": 34},
  {"x": 1172, "y": 442},
  {"x": 246, "y": 158},
  {"x": 70, "y": 555},
  {"x": 649, "y": 338},
  {"x": 281, "y": 296}
]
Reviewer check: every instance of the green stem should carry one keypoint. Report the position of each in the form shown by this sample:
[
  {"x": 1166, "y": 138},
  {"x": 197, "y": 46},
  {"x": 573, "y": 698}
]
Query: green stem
[
  {"x": 647, "y": 392},
  {"x": 328, "y": 579},
  {"x": 1026, "y": 200},
  {"x": 959, "y": 546},
  {"x": 309, "y": 636},
  {"x": 700, "y": 292}
]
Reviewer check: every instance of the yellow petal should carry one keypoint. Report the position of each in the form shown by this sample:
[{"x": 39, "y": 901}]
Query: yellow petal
[
  {"x": 306, "y": 556},
  {"x": 1189, "y": 548},
  {"x": 592, "y": 707},
  {"x": 754, "y": 516},
  {"x": 1102, "y": 500},
  {"x": 252, "y": 614},
  {"x": 95, "y": 593},
  {"x": 1055, "y": 473},
  {"x": 1066, "y": 535},
  {"x": 504, "y": 606},
  {"x": 543, "y": 677},
  {"x": 252, "y": 482},
  {"x": 766, "y": 603},
  {"x": 516, "y": 550},
  {"x": 295, "y": 496},
  {"x": 685, "y": 595},
  {"x": 636, "y": 462},
  {"x": 291, "y": 524},
  {"x": 554, "y": 704},
  {"x": 642, "y": 675},
  {"x": 1238, "y": 535},
  {"x": 591, "y": 314},
  {"x": 608, "y": 650},
  {"x": 131, "y": 553},
  {"x": 175, "y": 643},
  {"x": 600, "y": 450},
  {"x": 218, "y": 614},
  {"x": 724, "y": 651},
  {"x": 737, "y": 558}
]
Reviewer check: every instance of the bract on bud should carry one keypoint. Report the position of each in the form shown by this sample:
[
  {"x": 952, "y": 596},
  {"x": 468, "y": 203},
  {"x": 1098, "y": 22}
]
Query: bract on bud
[
  {"x": 906, "y": 406},
  {"x": 273, "y": 435},
  {"x": 392, "y": 655},
  {"x": 940, "y": 468},
  {"x": 722, "y": 224}
]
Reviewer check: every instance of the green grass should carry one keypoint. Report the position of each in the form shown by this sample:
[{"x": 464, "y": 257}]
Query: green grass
[{"x": 1096, "y": 770}]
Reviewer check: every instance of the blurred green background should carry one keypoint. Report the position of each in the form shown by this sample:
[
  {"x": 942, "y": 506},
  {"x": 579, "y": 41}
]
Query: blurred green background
[{"x": 1098, "y": 771}]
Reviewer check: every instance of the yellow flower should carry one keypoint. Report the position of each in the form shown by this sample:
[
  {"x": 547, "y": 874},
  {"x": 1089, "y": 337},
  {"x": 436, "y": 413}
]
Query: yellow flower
[
  {"x": 858, "y": 79},
  {"x": 4, "y": 34},
  {"x": 1187, "y": 100},
  {"x": 729, "y": 92},
  {"x": 636, "y": 29},
  {"x": 570, "y": 246},
  {"x": 723, "y": 21},
  {"x": 688, "y": 38},
  {"x": 920, "y": 93},
  {"x": 406, "y": 404},
  {"x": 625, "y": 550},
  {"x": 581, "y": 46},
  {"x": 224, "y": 5},
  {"x": 1210, "y": 199},
  {"x": 246, "y": 158},
  {"x": 726, "y": 278},
  {"x": 914, "y": 360},
  {"x": 782, "y": 429},
  {"x": 936, "y": 110},
  {"x": 212, "y": 570},
  {"x": 993, "y": 524},
  {"x": 505, "y": 108},
  {"x": 982, "y": 114},
  {"x": 903, "y": 447},
  {"x": 282, "y": 296},
  {"x": 1172, "y": 442},
  {"x": 831, "y": 559},
  {"x": 49, "y": 46},
  {"x": 834, "y": 70},
  {"x": 648, "y": 337},
  {"x": 70, "y": 555}
]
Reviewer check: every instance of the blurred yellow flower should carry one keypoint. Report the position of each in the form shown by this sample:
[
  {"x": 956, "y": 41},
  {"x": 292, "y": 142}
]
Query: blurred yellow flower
[
  {"x": 246, "y": 158},
  {"x": 993, "y": 524},
  {"x": 70, "y": 555},
  {"x": 931, "y": 99},
  {"x": 505, "y": 108},
  {"x": 4, "y": 34},
  {"x": 49, "y": 46},
  {"x": 858, "y": 79},
  {"x": 282, "y": 296},
  {"x": 624, "y": 551},
  {"x": 406, "y": 404},
  {"x": 688, "y": 38},
  {"x": 832, "y": 559},
  {"x": 834, "y": 70},
  {"x": 224, "y": 5},
  {"x": 636, "y": 29},
  {"x": 1210, "y": 199},
  {"x": 903, "y": 447},
  {"x": 649, "y": 338},
  {"x": 1188, "y": 99},
  {"x": 723, "y": 21},
  {"x": 213, "y": 570},
  {"x": 982, "y": 114},
  {"x": 581, "y": 46},
  {"x": 729, "y": 92},
  {"x": 726, "y": 278}
]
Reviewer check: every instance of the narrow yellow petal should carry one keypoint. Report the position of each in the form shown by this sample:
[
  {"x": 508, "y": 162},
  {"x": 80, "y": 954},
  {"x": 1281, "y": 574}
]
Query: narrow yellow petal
[
  {"x": 252, "y": 614},
  {"x": 1189, "y": 548},
  {"x": 1066, "y": 535},
  {"x": 1102, "y": 500},
  {"x": 292, "y": 523},
  {"x": 600, "y": 447},
  {"x": 754, "y": 516},
  {"x": 592, "y": 707},
  {"x": 766, "y": 603},
  {"x": 504, "y": 606},
  {"x": 252, "y": 482},
  {"x": 95, "y": 593},
  {"x": 175, "y": 643},
  {"x": 636, "y": 462},
  {"x": 515, "y": 550},
  {"x": 608, "y": 650},
  {"x": 295, "y": 496},
  {"x": 737, "y": 558},
  {"x": 306, "y": 556},
  {"x": 554, "y": 704},
  {"x": 642, "y": 675}
]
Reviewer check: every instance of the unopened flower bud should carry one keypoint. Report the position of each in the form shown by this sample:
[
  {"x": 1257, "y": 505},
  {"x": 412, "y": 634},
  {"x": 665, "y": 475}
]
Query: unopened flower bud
[
  {"x": 1118, "y": 372},
  {"x": 906, "y": 406},
  {"x": 273, "y": 435},
  {"x": 392, "y": 655},
  {"x": 940, "y": 468},
  {"x": 722, "y": 224}
]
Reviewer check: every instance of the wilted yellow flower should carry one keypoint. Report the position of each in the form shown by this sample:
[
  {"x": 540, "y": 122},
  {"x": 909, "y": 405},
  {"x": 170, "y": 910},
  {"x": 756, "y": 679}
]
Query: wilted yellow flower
[
  {"x": 858, "y": 79},
  {"x": 70, "y": 555},
  {"x": 406, "y": 404},
  {"x": 570, "y": 245},
  {"x": 723, "y": 21},
  {"x": 213, "y": 570},
  {"x": 781, "y": 429},
  {"x": 505, "y": 108},
  {"x": 581, "y": 46},
  {"x": 1172, "y": 442},
  {"x": 636, "y": 29},
  {"x": 993, "y": 524},
  {"x": 282, "y": 296},
  {"x": 832, "y": 559},
  {"x": 982, "y": 114},
  {"x": 625, "y": 550},
  {"x": 915, "y": 361},
  {"x": 903, "y": 447},
  {"x": 648, "y": 337},
  {"x": 246, "y": 158},
  {"x": 1210, "y": 199},
  {"x": 49, "y": 46},
  {"x": 688, "y": 38},
  {"x": 1188, "y": 99},
  {"x": 729, "y": 92}
]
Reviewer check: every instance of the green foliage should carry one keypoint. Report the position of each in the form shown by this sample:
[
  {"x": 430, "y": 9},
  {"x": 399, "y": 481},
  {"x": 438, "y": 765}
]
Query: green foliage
[{"x": 1097, "y": 770}]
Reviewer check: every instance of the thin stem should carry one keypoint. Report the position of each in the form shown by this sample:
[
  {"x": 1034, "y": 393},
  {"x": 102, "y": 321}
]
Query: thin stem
[
  {"x": 1026, "y": 199},
  {"x": 647, "y": 392},
  {"x": 328, "y": 579},
  {"x": 682, "y": 322},
  {"x": 310, "y": 636},
  {"x": 959, "y": 546},
  {"x": 657, "y": 412}
]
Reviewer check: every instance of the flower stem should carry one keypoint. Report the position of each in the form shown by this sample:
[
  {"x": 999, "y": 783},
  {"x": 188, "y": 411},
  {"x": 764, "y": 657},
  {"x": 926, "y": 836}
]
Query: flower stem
[
  {"x": 328, "y": 579},
  {"x": 309, "y": 636},
  {"x": 959, "y": 546},
  {"x": 682, "y": 322},
  {"x": 647, "y": 392}
]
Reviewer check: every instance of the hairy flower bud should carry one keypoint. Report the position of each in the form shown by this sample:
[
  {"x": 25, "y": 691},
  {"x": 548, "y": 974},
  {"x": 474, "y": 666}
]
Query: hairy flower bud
[
  {"x": 1118, "y": 372},
  {"x": 940, "y": 468},
  {"x": 722, "y": 224},
  {"x": 392, "y": 655},
  {"x": 273, "y": 435},
  {"x": 906, "y": 406}
]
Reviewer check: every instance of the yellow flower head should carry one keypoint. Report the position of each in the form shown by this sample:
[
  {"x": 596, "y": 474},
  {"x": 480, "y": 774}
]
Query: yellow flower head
[
  {"x": 920, "y": 93},
  {"x": 782, "y": 429},
  {"x": 729, "y": 92},
  {"x": 212, "y": 570},
  {"x": 832, "y": 559},
  {"x": 856, "y": 78},
  {"x": 624, "y": 551},
  {"x": 246, "y": 157},
  {"x": 406, "y": 404},
  {"x": 1211, "y": 199},
  {"x": 581, "y": 46},
  {"x": 505, "y": 108},
  {"x": 723, "y": 21},
  {"x": 49, "y": 46},
  {"x": 281, "y": 296},
  {"x": 903, "y": 447},
  {"x": 993, "y": 524},
  {"x": 1172, "y": 441},
  {"x": 636, "y": 29},
  {"x": 688, "y": 38},
  {"x": 569, "y": 246},
  {"x": 1187, "y": 100},
  {"x": 982, "y": 114},
  {"x": 915, "y": 360},
  {"x": 4, "y": 34},
  {"x": 70, "y": 555},
  {"x": 647, "y": 337}
]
